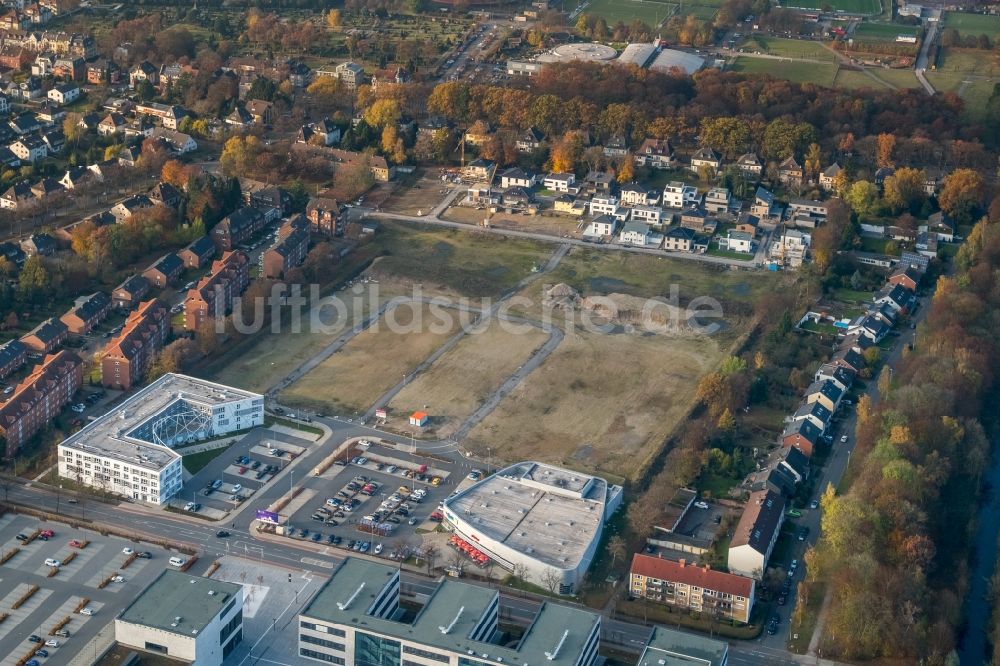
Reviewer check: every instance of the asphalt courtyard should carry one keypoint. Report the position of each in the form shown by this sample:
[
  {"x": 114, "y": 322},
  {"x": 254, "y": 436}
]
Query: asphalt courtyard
[{"x": 58, "y": 596}]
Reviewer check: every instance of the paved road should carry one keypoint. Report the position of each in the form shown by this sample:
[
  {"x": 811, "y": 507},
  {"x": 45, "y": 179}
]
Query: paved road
[{"x": 921, "y": 65}]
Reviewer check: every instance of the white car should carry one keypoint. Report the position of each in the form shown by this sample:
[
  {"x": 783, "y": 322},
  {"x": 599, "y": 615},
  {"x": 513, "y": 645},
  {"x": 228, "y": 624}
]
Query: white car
[
  {"x": 843, "y": 438},
  {"x": 50, "y": 562},
  {"x": 701, "y": 505},
  {"x": 364, "y": 443},
  {"x": 378, "y": 549},
  {"x": 237, "y": 488},
  {"x": 118, "y": 579},
  {"x": 79, "y": 408},
  {"x": 87, "y": 611},
  {"x": 127, "y": 551},
  {"x": 52, "y": 643}
]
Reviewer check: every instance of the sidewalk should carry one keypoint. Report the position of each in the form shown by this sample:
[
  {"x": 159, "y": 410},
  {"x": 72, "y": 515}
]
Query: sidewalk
[{"x": 95, "y": 649}]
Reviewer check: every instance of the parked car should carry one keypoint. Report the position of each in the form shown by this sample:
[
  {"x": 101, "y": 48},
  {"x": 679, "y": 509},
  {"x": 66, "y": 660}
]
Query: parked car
[
  {"x": 87, "y": 611},
  {"x": 145, "y": 555},
  {"x": 127, "y": 551},
  {"x": 51, "y": 562},
  {"x": 62, "y": 633},
  {"x": 222, "y": 534},
  {"x": 75, "y": 543},
  {"x": 33, "y": 638}
]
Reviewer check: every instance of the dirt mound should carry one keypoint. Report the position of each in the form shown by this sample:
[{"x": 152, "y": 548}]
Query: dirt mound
[
  {"x": 647, "y": 314},
  {"x": 561, "y": 296}
]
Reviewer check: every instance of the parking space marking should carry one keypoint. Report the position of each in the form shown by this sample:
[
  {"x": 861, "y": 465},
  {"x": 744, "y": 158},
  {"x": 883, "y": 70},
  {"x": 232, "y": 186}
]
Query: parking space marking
[
  {"x": 18, "y": 615},
  {"x": 6, "y": 520},
  {"x": 326, "y": 564},
  {"x": 42, "y": 630}
]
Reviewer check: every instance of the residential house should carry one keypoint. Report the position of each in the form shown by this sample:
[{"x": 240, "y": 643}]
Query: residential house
[
  {"x": 564, "y": 203},
  {"x": 18, "y": 197},
  {"x": 639, "y": 234},
  {"x": 324, "y": 215},
  {"x": 42, "y": 64},
  {"x": 144, "y": 71},
  {"x": 198, "y": 253},
  {"x": 869, "y": 327},
  {"x": 130, "y": 292},
  {"x": 12, "y": 252},
  {"x": 479, "y": 133},
  {"x": 600, "y": 227},
  {"x": 240, "y": 118},
  {"x": 516, "y": 197},
  {"x": 272, "y": 198},
  {"x": 933, "y": 180},
  {"x": 350, "y": 74},
  {"x": 679, "y": 239},
  {"x": 45, "y": 337},
  {"x": 13, "y": 356},
  {"x": 829, "y": 175},
  {"x": 126, "y": 359},
  {"x": 782, "y": 473},
  {"x": 679, "y": 195},
  {"x": 763, "y": 205},
  {"x": 479, "y": 169},
  {"x": 637, "y": 195},
  {"x": 896, "y": 296},
  {"x": 655, "y": 154},
  {"x": 717, "y": 200},
  {"x": 40, "y": 244},
  {"x": 113, "y": 123},
  {"x": 70, "y": 68},
  {"x": 737, "y": 241},
  {"x": 884, "y": 312},
  {"x": 747, "y": 223},
  {"x": 848, "y": 359},
  {"x": 165, "y": 194},
  {"x": 79, "y": 176},
  {"x": 516, "y": 177},
  {"x": 790, "y": 172},
  {"x": 906, "y": 277},
  {"x": 215, "y": 293},
  {"x": 841, "y": 376},
  {"x": 169, "y": 115},
  {"x": 24, "y": 123},
  {"x": 178, "y": 142},
  {"x": 8, "y": 159},
  {"x": 750, "y": 165},
  {"x": 164, "y": 270},
  {"x": 14, "y": 57},
  {"x": 54, "y": 140},
  {"x": 825, "y": 393},
  {"x": 755, "y": 535},
  {"x": 86, "y": 313},
  {"x": 615, "y": 147},
  {"x": 802, "y": 435},
  {"x": 287, "y": 253},
  {"x": 102, "y": 72},
  {"x": 599, "y": 183},
  {"x": 39, "y": 398},
  {"x": 604, "y": 205},
  {"x": 695, "y": 218},
  {"x": 126, "y": 208},
  {"x": 559, "y": 182},
  {"x": 324, "y": 133},
  {"x": 237, "y": 228},
  {"x": 530, "y": 140},
  {"x": 942, "y": 225},
  {"x": 816, "y": 413},
  {"x": 791, "y": 249},
  {"x": 648, "y": 214},
  {"x": 30, "y": 148},
  {"x": 47, "y": 187},
  {"x": 707, "y": 158},
  {"x": 129, "y": 156},
  {"x": 261, "y": 111},
  {"x": 381, "y": 170},
  {"x": 4, "y": 105},
  {"x": 692, "y": 588}
]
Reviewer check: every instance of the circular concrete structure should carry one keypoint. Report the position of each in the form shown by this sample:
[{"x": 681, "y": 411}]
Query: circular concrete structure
[{"x": 588, "y": 52}]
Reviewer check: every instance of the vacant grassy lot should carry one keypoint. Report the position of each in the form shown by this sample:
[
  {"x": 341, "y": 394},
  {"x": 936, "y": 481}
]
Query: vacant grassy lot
[
  {"x": 373, "y": 362},
  {"x": 973, "y": 24},
  {"x": 461, "y": 380},
  {"x": 789, "y": 48},
  {"x": 884, "y": 32},
  {"x": 417, "y": 194},
  {"x": 599, "y": 402},
  {"x": 884, "y": 79},
  {"x": 455, "y": 261},
  {"x": 799, "y": 72},
  {"x": 971, "y": 74}
]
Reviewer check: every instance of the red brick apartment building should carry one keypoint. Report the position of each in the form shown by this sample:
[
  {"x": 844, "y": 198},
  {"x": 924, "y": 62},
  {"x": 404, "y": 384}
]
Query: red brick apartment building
[
  {"x": 691, "y": 587},
  {"x": 37, "y": 399},
  {"x": 214, "y": 294},
  {"x": 127, "y": 357}
]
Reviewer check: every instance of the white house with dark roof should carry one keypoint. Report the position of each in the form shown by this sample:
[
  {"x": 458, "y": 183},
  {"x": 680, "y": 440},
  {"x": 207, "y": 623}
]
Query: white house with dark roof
[
  {"x": 516, "y": 177},
  {"x": 755, "y": 535}
]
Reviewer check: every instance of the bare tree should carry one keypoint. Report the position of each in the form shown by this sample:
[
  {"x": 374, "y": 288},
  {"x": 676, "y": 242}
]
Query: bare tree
[
  {"x": 616, "y": 548},
  {"x": 520, "y": 572},
  {"x": 551, "y": 579},
  {"x": 430, "y": 554}
]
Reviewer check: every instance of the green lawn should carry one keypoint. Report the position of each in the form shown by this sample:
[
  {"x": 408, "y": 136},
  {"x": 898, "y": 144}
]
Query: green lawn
[
  {"x": 195, "y": 462},
  {"x": 973, "y": 24},
  {"x": 884, "y": 31},
  {"x": 799, "y": 72},
  {"x": 852, "y": 296},
  {"x": 651, "y": 12},
  {"x": 789, "y": 48},
  {"x": 729, "y": 254},
  {"x": 863, "y": 7}
]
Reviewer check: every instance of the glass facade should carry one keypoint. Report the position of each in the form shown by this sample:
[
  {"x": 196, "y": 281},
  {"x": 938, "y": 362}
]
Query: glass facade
[{"x": 375, "y": 651}]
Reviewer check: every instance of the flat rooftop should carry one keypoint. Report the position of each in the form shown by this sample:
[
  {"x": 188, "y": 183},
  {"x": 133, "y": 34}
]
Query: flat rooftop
[
  {"x": 549, "y": 513},
  {"x": 180, "y": 603},
  {"x": 126, "y": 432},
  {"x": 585, "y": 52},
  {"x": 668, "y": 647},
  {"x": 451, "y": 613}
]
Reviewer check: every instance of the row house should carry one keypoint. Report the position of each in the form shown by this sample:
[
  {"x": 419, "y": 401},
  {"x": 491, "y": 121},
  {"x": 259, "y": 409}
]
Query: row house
[
  {"x": 86, "y": 313},
  {"x": 103, "y": 72},
  {"x": 126, "y": 208},
  {"x": 324, "y": 216},
  {"x": 289, "y": 252},
  {"x": 693, "y": 588},
  {"x": 198, "y": 253},
  {"x": 45, "y": 337},
  {"x": 237, "y": 228},
  {"x": 39, "y": 398},
  {"x": 755, "y": 535},
  {"x": 215, "y": 293},
  {"x": 126, "y": 358},
  {"x": 164, "y": 271},
  {"x": 13, "y": 356},
  {"x": 130, "y": 292}
]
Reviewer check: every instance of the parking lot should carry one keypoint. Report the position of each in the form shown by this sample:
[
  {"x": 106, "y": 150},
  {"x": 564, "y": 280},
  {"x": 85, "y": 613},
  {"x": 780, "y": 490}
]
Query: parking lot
[
  {"x": 239, "y": 472},
  {"x": 374, "y": 501},
  {"x": 50, "y": 612}
]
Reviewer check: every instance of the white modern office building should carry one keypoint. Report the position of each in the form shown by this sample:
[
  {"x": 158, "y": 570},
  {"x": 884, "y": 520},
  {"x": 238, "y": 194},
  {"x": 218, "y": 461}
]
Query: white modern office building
[
  {"x": 130, "y": 449},
  {"x": 356, "y": 619},
  {"x": 540, "y": 519},
  {"x": 193, "y": 619}
]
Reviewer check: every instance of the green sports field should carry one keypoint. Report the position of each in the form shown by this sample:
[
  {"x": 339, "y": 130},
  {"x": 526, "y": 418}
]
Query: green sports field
[
  {"x": 799, "y": 72},
  {"x": 789, "y": 48},
  {"x": 973, "y": 24},
  {"x": 884, "y": 32},
  {"x": 859, "y": 7},
  {"x": 651, "y": 12}
]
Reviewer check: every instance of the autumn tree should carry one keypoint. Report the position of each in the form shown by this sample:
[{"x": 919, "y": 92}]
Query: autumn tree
[
  {"x": 626, "y": 171},
  {"x": 383, "y": 112},
  {"x": 904, "y": 189},
  {"x": 565, "y": 153},
  {"x": 886, "y": 146},
  {"x": 812, "y": 161},
  {"x": 34, "y": 282},
  {"x": 862, "y": 197},
  {"x": 961, "y": 194},
  {"x": 334, "y": 19}
]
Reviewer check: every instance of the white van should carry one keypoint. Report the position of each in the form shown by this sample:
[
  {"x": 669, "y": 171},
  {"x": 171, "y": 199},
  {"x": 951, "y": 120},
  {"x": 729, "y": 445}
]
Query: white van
[{"x": 177, "y": 561}]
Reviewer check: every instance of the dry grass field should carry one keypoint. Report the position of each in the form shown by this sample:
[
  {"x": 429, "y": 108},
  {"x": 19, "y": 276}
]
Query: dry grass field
[
  {"x": 599, "y": 402},
  {"x": 463, "y": 378},
  {"x": 373, "y": 362}
]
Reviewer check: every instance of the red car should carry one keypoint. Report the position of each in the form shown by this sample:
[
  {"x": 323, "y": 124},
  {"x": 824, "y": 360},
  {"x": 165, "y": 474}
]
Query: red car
[
  {"x": 47, "y": 534},
  {"x": 243, "y": 470},
  {"x": 75, "y": 543}
]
